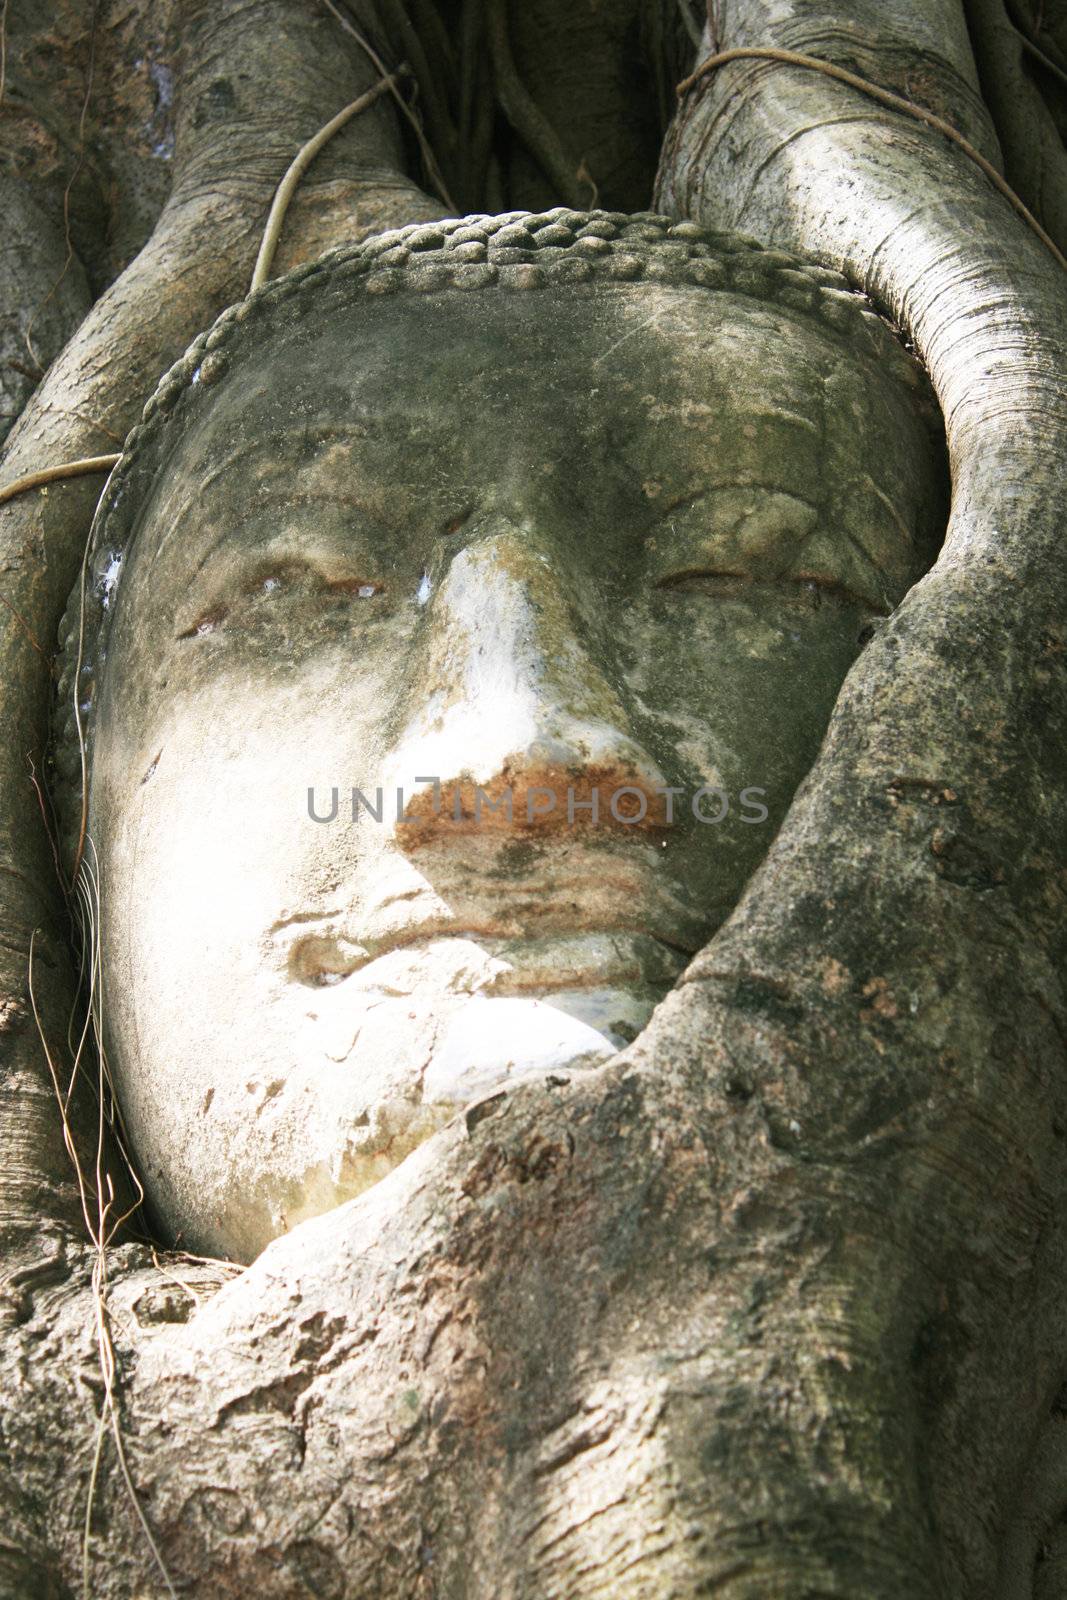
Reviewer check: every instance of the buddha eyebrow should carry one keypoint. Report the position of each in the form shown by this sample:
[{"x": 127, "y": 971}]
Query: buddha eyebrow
[
  {"x": 258, "y": 531},
  {"x": 685, "y": 502},
  {"x": 271, "y": 446}
]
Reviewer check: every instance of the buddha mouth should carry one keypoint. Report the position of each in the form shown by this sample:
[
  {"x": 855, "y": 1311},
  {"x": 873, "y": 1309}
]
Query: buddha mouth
[
  {"x": 569, "y": 928},
  {"x": 476, "y": 960}
]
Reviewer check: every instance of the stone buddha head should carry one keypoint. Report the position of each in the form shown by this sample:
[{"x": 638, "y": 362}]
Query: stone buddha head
[{"x": 568, "y": 527}]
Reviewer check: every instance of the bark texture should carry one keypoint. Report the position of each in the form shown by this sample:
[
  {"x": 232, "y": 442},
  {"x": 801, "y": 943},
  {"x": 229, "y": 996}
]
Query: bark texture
[
  {"x": 954, "y": 719},
  {"x": 1023, "y": 73},
  {"x": 774, "y": 1303}
]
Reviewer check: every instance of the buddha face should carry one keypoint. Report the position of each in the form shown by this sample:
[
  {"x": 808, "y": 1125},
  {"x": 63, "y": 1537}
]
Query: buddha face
[{"x": 534, "y": 560}]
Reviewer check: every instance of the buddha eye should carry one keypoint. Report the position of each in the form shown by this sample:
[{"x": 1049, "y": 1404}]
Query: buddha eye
[
  {"x": 814, "y": 589},
  {"x": 821, "y": 590},
  {"x": 297, "y": 579},
  {"x": 703, "y": 578},
  {"x": 750, "y": 540},
  {"x": 359, "y": 588},
  {"x": 303, "y": 577}
]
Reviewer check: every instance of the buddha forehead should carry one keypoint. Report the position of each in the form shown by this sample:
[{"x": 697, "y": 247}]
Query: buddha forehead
[{"x": 610, "y": 397}]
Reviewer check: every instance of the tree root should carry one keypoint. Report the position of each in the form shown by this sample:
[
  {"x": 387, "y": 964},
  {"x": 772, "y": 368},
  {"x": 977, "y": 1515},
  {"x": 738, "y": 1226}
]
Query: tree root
[
  {"x": 532, "y": 127},
  {"x": 301, "y": 162},
  {"x": 887, "y": 97}
]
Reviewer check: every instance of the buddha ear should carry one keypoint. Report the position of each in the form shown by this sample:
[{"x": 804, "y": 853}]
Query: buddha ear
[{"x": 235, "y": 136}]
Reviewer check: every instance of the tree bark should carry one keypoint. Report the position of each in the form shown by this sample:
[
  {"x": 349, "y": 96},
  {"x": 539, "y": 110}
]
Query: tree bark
[{"x": 953, "y": 722}]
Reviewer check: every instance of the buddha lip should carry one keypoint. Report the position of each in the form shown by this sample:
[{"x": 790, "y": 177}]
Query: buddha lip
[
  {"x": 627, "y": 903},
  {"x": 646, "y": 934},
  {"x": 615, "y": 968}
]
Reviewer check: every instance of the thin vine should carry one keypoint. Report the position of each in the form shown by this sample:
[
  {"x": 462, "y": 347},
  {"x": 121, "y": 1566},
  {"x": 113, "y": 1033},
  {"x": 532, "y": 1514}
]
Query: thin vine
[
  {"x": 433, "y": 170},
  {"x": 98, "y": 1203},
  {"x": 66, "y": 469},
  {"x": 301, "y": 161}
]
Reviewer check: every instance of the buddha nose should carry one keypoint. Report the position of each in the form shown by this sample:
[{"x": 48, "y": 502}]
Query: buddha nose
[{"x": 514, "y": 723}]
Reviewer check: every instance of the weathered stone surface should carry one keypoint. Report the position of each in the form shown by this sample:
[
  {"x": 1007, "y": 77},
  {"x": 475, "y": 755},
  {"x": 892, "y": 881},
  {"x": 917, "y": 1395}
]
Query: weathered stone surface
[{"x": 612, "y": 547}]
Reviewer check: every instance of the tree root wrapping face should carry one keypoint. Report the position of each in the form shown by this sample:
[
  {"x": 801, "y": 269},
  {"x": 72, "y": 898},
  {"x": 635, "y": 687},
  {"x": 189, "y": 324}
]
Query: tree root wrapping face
[{"x": 561, "y": 531}]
